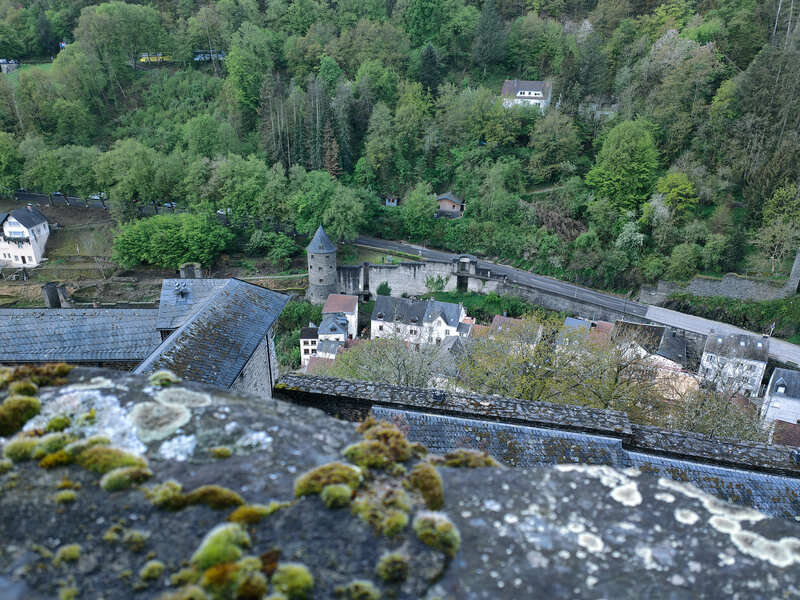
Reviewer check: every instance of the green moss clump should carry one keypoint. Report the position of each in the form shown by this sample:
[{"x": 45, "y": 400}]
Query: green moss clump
[
  {"x": 250, "y": 514},
  {"x": 385, "y": 509},
  {"x": 103, "y": 459},
  {"x": 65, "y": 497},
  {"x": 368, "y": 453},
  {"x": 426, "y": 479},
  {"x": 23, "y": 387},
  {"x": 56, "y": 459},
  {"x": 52, "y": 442},
  {"x": 113, "y": 533},
  {"x": 220, "y": 452},
  {"x": 294, "y": 580},
  {"x": 393, "y": 440},
  {"x": 15, "y": 412},
  {"x": 5, "y": 465},
  {"x": 360, "y": 589},
  {"x": 336, "y": 495},
  {"x": 68, "y": 553},
  {"x": 314, "y": 480},
  {"x": 67, "y": 484},
  {"x": 276, "y": 596},
  {"x": 189, "y": 592},
  {"x": 124, "y": 477},
  {"x": 58, "y": 423},
  {"x": 222, "y": 544},
  {"x": 167, "y": 495},
  {"x": 437, "y": 531},
  {"x": 87, "y": 418},
  {"x": 213, "y": 496},
  {"x": 396, "y": 470},
  {"x": 241, "y": 580},
  {"x": 20, "y": 448},
  {"x": 68, "y": 593},
  {"x": 41, "y": 375},
  {"x": 135, "y": 539},
  {"x": 152, "y": 569},
  {"x": 78, "y": 446},
  {"x": 464, "y": 457},
  {"x": 393, "y": 567},
  {"x": 164, "y": 378},
  {"x": 184, "y": 576}
]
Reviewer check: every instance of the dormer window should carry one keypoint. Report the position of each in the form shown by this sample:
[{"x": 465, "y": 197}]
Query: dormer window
[{"x": 781, "y": 389}]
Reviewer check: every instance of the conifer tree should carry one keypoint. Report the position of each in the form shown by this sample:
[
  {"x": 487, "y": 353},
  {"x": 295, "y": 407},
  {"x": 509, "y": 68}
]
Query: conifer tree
[{"x": 490, "y": 37}]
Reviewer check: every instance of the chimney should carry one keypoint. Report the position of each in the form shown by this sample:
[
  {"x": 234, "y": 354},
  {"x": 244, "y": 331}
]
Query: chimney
[
  {"x": 63, "y": 296},
  {"x": 50, "y": 293}
]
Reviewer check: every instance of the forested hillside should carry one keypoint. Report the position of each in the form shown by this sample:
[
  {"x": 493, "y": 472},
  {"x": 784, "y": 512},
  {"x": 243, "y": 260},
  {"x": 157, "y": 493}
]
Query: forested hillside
[{"x": 671, "y": 146}]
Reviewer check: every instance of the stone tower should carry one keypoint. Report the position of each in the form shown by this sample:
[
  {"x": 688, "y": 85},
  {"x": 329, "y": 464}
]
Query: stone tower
[{"x": 322, "y": 278}]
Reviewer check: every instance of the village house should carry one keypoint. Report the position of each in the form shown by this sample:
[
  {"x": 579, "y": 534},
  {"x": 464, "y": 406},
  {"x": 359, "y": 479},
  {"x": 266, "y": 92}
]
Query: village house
[
  {"x": 347, "y": 306},
  {"x": 518, "y": 92},
  {"x": 24, "y": 236},
  {"x": 416, "y": 321},
  {"x": 224, "y": 339},
  {"x": 782, "y": 398},
  {"x": 309, "y": 338},
  {"x": 735, "y": 362},
  {"x": 450, "y": 205}
]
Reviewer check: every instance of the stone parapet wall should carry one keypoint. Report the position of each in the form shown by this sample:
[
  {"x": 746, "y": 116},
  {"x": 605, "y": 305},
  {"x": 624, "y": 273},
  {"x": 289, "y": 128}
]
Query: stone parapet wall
[{"x": 354, "y": 399}]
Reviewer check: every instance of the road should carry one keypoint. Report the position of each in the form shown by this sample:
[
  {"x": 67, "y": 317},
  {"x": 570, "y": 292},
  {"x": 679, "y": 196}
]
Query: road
[
  {"x": 779, "y": 350},
  {"x": 74, "y": 201}
]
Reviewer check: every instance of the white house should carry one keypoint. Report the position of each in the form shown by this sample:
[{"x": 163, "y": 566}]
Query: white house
[
  {"x": 309, "y": 338},
  {"x": 417, "y": 321},
  {"x": 518, "y": 92},
  {"x": 333, "y": 327},
  {"x": 347, "y": 306},
  {"x": 24, "y": 236},
  {"x": 782, "y": 400},
  {"x": 735, "y": 362}
]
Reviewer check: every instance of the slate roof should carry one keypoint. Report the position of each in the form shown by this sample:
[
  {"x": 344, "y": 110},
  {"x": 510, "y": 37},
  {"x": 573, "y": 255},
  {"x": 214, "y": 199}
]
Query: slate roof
[
  {"x": 213, "y": 344},
  {"x": 340, "y": 303},
  {"x": 28, "y": 217},
  {"x": 738, "y": 345},
  {"x": 524, "y": 446},
  {"x": 788, "y": 378},
  {"x": 181, "y": 298},
  {"x": 77, "y": 335},
  {"x": 329, "y": 346},
  {"x": 512, "y": 86},
  {"x": 451, "y": 197},
  {"x": 321, "y": 243},
  {"x": 647, "y": 336},
  {"x": 308, "y": 333},
  {"x": 333, "y": 323},
  {"x": 404, "y": 310},
  {"x": 673, "y": 347}
]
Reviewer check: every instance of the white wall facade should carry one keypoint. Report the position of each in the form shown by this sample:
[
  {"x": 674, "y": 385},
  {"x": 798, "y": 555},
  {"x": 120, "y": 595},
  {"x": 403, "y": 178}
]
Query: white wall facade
[
  {"x": 308, "y": 348},
  {"x": 734, "y": 374},
  {"x": 781, "y": 407},
  {"x": 415, "y": 333},
  {"x": 23, "y": 247}
]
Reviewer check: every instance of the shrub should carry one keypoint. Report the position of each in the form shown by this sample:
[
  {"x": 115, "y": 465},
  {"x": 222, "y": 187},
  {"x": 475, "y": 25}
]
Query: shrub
[{"x": 384, "y": 289}]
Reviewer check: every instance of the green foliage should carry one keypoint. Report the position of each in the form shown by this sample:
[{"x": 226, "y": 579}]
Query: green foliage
[
  {"x": 683, "y": 262},
  {"x": 170, "y": 240},
  {"x": 679, "y": 193},
  {"x": 626, "y": 165},
  {"x": 11, "y": 162},
  {"x": 384, "y": 289},
  {"x": 417, "y": 211}
]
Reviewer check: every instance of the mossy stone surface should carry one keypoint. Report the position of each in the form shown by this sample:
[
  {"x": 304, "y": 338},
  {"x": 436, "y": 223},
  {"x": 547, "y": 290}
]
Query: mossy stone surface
[
  {"x": 20, "y": 448},
  {"x": 437, "y": 531},
  {"x": 15, "y": 411},
  {"x": 56, "y": 459},
  {"x": 124, "y": 477},
  {"x": 102, "y": 459},
  {"x": 336, "y": 495},
  {"x": 58, "y": 423},
  {"x": 152, "y": 569},
  {"x": 314, "y": 480},
  {"x": 426, "y": 479},
  {"x": 223, "y": 544},
  {"x": 393, "y": 567},
  {"x": 66, "y": 497},
  {"x": 67, "y": 553},
  {"x": 360, "y": 589}
]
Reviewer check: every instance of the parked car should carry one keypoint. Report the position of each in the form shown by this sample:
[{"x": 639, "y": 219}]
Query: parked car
[{"x": 171, "y": 205}]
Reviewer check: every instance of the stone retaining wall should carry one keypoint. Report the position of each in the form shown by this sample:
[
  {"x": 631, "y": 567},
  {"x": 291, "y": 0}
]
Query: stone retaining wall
[{"x": 353, "y": 400}]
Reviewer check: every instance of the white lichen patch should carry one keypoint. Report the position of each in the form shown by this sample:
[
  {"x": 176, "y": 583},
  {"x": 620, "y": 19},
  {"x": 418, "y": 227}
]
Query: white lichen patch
[
  {"x": 728, "y": 519},
  {"x": 627, "y": 494},
  {"x": 591, "y": 542},
  {"x": 646, "y": 555},
  {"x": 256, "y": 440},
  {"x": 665, "y": 497},
  {"x": 183, "y": 397},
  {"x": 179, "y": 448},
  {"x": 155, "y": 421},
  {"x": 608, "y": 476},
  {"x": 686, "y": 516},
  {"x": 94, "y": 383},
  {"x": 109, "y": 418},
  {"x": 492, "y": 505}
]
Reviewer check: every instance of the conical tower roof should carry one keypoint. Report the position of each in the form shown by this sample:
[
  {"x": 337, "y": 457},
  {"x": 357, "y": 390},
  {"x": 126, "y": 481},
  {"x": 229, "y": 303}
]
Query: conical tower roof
[{"x": 321, "y": 244}]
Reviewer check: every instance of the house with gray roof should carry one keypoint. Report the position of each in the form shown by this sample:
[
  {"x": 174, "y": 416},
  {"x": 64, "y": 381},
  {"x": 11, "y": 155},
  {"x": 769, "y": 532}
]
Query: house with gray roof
[
  {"x": 735, "y": 362},
  {"x": 103, "y": 337},
  {"x": 181, "y": 298},
  {"x": 227, "y": 342},
  {"x": 450, "y": 205},
  {"x": 416, "y": 321},
  {"x": 23, "y": 236},
  {"x": 782, "y": 398}
]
